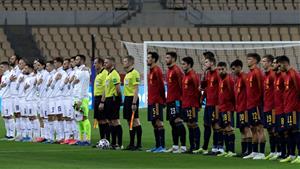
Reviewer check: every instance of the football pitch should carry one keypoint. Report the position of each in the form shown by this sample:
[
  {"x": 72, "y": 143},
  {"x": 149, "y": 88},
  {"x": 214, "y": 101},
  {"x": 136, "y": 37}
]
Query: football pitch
[{"x": 16, "y": 155}]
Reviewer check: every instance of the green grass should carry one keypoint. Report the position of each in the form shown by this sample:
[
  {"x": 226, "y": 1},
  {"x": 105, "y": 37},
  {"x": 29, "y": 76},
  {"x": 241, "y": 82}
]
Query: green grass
[{"x": 15, "y": 155}]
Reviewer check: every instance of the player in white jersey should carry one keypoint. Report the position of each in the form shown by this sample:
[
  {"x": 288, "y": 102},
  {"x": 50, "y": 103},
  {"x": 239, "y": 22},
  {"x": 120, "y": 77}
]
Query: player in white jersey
[
  {"x": 16, "y": 102},
  {"x": 30, "y": 100},
  {"x": 58, "y": 85},
  {"x": 81, "y": 82},
  {"x": 75, "y": 129},
  {"x": 42, "y": 76},
  {"x": 14, "y": 73},
  {"x": 51, "y": 101},
  {"x": 7, "y": 107}
]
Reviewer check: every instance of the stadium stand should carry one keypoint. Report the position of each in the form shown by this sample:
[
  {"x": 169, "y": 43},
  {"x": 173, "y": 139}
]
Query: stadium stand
[
  {"x": 62, "y": 5},
  {"x": 5, "y": 49}
]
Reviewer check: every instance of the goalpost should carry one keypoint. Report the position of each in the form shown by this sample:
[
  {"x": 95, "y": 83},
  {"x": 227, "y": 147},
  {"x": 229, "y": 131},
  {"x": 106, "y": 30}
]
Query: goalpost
[{"x": 224, "y": 51}]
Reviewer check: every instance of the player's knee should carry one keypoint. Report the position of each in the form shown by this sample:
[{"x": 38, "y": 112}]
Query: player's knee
[
  {"x": 159, "y": 124},
  {"x": 136, "y": 122}
]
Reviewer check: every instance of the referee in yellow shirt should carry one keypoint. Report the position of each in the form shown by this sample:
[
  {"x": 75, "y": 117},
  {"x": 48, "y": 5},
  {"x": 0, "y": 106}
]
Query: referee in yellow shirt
[
  {"x": 99, "y": 85},
  {"x": 111, "y": 101},
  {"x": 131, "y": 102}
]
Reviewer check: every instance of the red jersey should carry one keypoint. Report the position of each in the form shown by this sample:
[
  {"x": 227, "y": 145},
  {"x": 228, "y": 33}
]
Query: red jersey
[
  {"x": 291, "y": 90},
  {"x": 240, "y": 92},
  {"x": 190, "y": 91},
  {"x": 278, "y": 93},
  {"x": 254, "y": 88},
  {"x": 226, "y": 94},
  {"x": 269, "y": 79},
  {"x": 156, "y": 89},
  {"x": 212, "y": 80},
  {"x": 174, "y": 80}
]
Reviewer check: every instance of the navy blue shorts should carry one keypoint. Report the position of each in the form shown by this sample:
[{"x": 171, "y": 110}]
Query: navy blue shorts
[
  {"x": 242, "y": 119},
  {"x": 293, "y": 120},
  {"x": 155, "y": 112},
  {"x": 210, "y": 115},
  {"x": 190, "y": 115},
  {"x": 280, "y": 122},
  {"x": 174, "y": 110},
  {"x": 269, "y": 119},
  {"x": 254, "y": 115},
  {"x": 226, "y": 119}
]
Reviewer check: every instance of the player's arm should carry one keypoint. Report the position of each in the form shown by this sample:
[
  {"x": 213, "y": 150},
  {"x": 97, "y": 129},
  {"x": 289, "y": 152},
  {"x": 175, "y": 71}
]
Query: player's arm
[
  {"x": 259, "y": 78},
  {"x": 295, "y": 78},
  {"x": 161, "y": 84}
]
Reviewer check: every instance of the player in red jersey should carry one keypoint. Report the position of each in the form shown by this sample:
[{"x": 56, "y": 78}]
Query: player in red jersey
[
  {"x": 211, "y": 115},
  {"x": 156, "y": 100},
  {"x": 226, "y": 109},
  {"x": 242, "y": 121},
  {"x": 269, "y": 104},
  {"x": 291, "y": 108},
  {"x": 254, "y": 88},
  {"x": 190, "y": 102},
  {"x": 174, "y": 80},
  {"x": 281, "y": 139}
]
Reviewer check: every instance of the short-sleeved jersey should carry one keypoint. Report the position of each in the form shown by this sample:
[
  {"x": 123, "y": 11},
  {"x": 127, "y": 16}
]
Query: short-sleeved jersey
[
  {"x": 131, "y": 79},
  {"x": 278, "y": 93},
  {"x": 226, "y": 94},
  {"x": 240, "y": 93},
  {"x": 99, "y": 83},
  {"x": 291, "y": 91},
  {"x": 254, "y": 88},
  {"x": 174, "y": 79},
  {"x": 269, "y": 90},
  {"x": 190, "y": 90},
  {"x": 112, "y": 79},
  {"x": 156, "y": 89},
  {"x": 212, "y": 80}
]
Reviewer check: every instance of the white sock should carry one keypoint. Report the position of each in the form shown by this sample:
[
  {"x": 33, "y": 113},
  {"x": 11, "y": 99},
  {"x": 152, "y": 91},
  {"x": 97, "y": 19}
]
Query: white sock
[
  {"x": 6, "y": 126},
  {"x": 46, "y": 129},
  {"x": 29, "y": 128},
  {"x": 56, "y": 129},
  {"x": 12, "y": 127},
  {"x": 66, "y": 130},
  {"x": 51, "y": 130},
  {"x": 75, "y": 130},
  {"x": 69, "y": 128},
  {"x": 18, "y": 127},
  {"x": 61, "y": 130},
  {"x": 36, "y": 128},
  {"x": 23, "y": 127}
]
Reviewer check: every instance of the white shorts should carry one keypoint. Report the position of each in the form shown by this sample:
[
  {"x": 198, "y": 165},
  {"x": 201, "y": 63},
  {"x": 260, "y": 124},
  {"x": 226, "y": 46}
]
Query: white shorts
[
  {"x": 52, "y": 107},
  {"x": 16, "y": 105},
  {"x": 59, "y": 109},
  {"x": 44, "y": 108},
  {"x": 7, "y": 107},
  {"x": 68, "y": 108},
  {"x": 32, "y": 108}
]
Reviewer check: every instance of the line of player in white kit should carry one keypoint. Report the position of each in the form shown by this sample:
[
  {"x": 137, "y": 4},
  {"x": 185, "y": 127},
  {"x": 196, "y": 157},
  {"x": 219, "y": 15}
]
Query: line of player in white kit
[{"x": 38, "y": 99}]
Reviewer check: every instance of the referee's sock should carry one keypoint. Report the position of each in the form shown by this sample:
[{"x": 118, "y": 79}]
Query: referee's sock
[
  {"x": 139, "y": 132},
  {"x": 102, "y": 130},
  {"x": 119, "y": 132},
  {"x": 113, "y": 135},
  {"x": 131, "y": 136},
  {"x": 107, "y": 131}
]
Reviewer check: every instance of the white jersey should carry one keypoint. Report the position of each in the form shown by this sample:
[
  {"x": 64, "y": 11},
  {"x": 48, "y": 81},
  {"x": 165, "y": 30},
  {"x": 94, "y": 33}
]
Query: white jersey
[
  {"x": 49, "y": 90},
  {"x": 58, "y": 85},
  {"x": 5, "y": 92},
  {"x": 68, "y": 87},
  {"x": 31, "y": 91},
  {"x": 21, "y": 85},
  {"x": 13, "y": 84},
  {"x": 42, "y": 88},
  {"x": 83, "y": 75}
]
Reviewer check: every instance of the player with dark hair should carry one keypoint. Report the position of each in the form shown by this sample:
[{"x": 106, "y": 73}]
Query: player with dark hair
[
  {"x": 242, "y": 121},
  {"x": 99, "y": 86},
  {"x": 156, "y": 100},
  {"x": 111, "y": 102},
  {"x": 226, "y": 109},
  {"x": 131, "y": 103},
  {"x": 174, "y": 86},
  {"x": 190, "y": 102},
  {"x": 211, "y": 115},
  {"x": 291, "y": 108},
  {"x": 269, "y": 104},
  {"x": 254, "y": 103}
]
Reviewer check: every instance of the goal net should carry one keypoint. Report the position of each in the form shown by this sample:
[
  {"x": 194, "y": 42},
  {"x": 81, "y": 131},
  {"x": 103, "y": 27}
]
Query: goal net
[{"x": 226, "y": 51}]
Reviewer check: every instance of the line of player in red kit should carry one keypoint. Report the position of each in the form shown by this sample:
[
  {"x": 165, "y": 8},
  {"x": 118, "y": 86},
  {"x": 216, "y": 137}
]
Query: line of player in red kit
[{"x": 259, "y": 100}]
